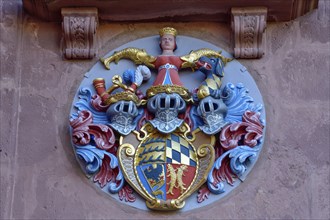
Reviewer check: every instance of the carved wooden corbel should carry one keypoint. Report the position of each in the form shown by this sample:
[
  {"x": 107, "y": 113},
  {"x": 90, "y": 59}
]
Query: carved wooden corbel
[
  {"x": 248, "y": 25},
  {"x": 79, "y": 29}
]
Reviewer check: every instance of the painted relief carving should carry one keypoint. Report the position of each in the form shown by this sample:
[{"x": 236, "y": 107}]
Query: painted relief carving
[
  {"x": 248, "y": 25},
  {"x": 79, "y": 28},
  {"x": 166, "y": 142}
]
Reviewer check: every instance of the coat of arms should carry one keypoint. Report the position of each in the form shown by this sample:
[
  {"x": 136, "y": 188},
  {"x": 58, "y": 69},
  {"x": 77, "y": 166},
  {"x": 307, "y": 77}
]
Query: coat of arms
[{"x": 166, "y": 141}]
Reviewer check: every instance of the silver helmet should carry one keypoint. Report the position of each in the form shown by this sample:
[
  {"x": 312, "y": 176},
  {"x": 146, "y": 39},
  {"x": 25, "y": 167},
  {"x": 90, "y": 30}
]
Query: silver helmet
[
  {"x": 166, "y": 108},
  {"x": 121, "y": 115},
  {"x": 213, "y": 112}
]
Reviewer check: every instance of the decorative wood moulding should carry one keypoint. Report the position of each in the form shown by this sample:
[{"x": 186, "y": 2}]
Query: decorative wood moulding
[
  {"x": 79, "y": 29},
  {"x": 248, "y": 25},
  {"x": 187, "y": 10}
]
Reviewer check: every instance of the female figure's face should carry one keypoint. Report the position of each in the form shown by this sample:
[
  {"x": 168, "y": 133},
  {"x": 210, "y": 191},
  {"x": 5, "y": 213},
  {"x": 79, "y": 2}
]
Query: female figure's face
[{"x": 167, "y": 42}]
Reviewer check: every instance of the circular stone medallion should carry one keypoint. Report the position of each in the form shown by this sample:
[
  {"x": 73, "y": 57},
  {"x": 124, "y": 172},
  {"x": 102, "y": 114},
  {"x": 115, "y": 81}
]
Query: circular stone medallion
[{"x": 105, "y": 138}]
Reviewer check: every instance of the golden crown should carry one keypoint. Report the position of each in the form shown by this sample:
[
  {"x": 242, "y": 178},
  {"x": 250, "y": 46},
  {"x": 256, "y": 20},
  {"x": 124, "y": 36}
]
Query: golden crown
[
  {"x": 127, "y": 95},
  {"x": 169, "y": 89},
  {"x": 168, "y": 30}
]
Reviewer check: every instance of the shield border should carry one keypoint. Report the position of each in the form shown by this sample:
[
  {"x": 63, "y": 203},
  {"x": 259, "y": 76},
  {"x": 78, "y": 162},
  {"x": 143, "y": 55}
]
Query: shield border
[{"x": 205, "y": 157}]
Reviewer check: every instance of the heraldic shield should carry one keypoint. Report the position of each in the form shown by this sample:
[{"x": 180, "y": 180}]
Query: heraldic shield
[{"x": 166, "y": 168}]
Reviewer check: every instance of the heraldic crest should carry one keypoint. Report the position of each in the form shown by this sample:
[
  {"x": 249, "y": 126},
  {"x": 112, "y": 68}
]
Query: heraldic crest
[{"x": 166, "y": 142}]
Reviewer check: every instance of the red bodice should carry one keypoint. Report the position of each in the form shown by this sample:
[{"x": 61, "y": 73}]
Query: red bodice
[{"x": 168, "y": 67}]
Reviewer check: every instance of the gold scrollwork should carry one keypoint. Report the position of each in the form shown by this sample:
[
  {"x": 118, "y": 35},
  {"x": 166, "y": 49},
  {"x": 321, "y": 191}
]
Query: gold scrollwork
[
  {"x": 157, "y": 204},
  {"x": 144, "y": 131},
  {"x": 185, "y": 130},
  {"x": 149, "y": 128},
  {"x": 177, "y": 203},
  {"x": 129, "y": 149},
  {"x": 153, "y": 204},
  {"x": 203, "y": 150}
]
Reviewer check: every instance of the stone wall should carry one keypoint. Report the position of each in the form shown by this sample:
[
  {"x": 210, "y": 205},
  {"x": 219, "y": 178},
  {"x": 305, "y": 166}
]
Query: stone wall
[{"x": 40, "y": 178}]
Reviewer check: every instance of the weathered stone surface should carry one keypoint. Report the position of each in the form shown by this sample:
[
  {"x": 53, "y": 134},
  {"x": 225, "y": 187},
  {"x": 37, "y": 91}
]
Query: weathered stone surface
[{"x": 40, "y": 178}]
